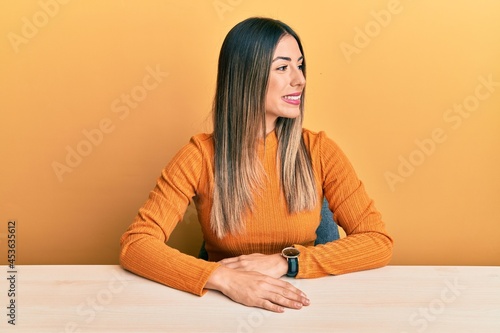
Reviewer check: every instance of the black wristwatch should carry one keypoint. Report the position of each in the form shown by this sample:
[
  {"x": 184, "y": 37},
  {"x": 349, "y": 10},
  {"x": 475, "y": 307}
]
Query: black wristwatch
[{"x": 292, "y": 256}]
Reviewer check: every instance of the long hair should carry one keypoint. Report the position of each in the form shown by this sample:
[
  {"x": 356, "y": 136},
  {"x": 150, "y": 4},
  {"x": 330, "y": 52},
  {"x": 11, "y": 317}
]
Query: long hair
[{"x": 240, "y": 123}]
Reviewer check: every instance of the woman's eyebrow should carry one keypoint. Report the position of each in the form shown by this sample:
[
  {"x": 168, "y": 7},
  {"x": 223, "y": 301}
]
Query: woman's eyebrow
[{"x": 287, "y": 58}]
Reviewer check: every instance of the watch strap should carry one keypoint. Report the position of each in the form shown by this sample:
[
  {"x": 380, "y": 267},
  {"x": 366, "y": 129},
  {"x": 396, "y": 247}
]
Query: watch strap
[{"x": 293, "y": 267}]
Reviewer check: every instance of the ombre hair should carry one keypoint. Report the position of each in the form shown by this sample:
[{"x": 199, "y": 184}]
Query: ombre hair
[{"x": 239, "y": 116}]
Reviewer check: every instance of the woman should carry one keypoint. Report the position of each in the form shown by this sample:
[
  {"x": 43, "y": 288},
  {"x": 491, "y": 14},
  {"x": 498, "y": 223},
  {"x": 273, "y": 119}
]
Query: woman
[{"x": 258, "y": 182}]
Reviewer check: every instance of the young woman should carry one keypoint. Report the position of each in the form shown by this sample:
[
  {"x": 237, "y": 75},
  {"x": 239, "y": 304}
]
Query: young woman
[{"x": 258, "y": 182}]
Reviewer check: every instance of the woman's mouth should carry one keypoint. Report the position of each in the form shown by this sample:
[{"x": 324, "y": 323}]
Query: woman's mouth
[{"x": 293, "y": 99}]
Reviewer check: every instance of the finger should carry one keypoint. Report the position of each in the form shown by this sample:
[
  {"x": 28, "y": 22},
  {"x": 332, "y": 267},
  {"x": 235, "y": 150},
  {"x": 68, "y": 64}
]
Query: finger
[
  {"x": 268, "y": 305},
  {"x": 285, "y": 301},
  {"x": 229, "y": 260},
  {"x": 289, "y": 292},
  {"x": 253, "y": 256},
  {"x": 277, "y": 302}
]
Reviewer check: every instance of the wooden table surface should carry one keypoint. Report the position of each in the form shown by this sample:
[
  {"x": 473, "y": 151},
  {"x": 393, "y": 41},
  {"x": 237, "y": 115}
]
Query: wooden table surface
[{"x": 399, "y": 299}]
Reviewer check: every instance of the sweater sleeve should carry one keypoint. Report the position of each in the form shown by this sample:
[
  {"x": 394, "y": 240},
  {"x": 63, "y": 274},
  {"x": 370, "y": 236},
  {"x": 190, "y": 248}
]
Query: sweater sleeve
[
  {"x": 367, "y": 244},
  {"x": 143, "y": 248}
]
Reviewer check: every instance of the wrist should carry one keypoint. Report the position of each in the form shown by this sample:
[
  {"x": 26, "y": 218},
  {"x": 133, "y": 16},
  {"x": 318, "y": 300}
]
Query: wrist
[
  {"x": 216, "y": 280},
  {"x": 282, "y": 264}
]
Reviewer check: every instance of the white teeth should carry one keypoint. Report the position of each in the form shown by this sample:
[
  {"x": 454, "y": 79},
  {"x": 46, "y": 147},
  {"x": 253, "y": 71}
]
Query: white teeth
[{"x": 293, "y": 98}]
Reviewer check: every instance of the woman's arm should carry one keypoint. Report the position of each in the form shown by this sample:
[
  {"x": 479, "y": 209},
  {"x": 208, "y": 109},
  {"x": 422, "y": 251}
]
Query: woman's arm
[
  {"x": 367, "y": 244},
  {"x": 143, "y": 248}
]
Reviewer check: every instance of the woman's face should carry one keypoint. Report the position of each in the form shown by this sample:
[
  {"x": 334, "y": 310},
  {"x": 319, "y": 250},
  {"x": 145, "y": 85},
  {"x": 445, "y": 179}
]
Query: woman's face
[{"x": 286, "y": 82}]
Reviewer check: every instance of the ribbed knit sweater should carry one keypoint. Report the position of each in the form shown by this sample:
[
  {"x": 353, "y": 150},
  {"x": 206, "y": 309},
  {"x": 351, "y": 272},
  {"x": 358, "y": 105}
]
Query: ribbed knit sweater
[{"x": 268, "y": 228}]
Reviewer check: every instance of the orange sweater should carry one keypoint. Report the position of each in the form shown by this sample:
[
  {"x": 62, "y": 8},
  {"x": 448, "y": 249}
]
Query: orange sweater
[{"x": 269, "y": 228}]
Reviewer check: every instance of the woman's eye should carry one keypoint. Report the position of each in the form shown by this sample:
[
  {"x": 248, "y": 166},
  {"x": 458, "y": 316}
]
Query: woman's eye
[
  {"x": 282, "y": 68},
  {"x": 301, "y": 67}
]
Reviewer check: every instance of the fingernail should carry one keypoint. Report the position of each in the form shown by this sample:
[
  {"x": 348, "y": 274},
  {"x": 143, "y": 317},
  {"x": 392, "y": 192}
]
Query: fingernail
[{"x": 307, "y": 301}]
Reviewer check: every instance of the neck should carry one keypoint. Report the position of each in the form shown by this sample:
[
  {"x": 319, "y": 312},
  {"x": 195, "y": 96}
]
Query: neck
[{"x": 270, "y": 127}]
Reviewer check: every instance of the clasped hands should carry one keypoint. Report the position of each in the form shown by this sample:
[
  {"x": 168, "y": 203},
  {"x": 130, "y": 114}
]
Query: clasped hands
[{"x": 254, "y": 280}]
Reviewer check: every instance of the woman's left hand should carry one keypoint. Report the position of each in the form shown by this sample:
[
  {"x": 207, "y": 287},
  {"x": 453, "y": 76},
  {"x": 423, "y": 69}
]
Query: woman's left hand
[{"x": 273, "y": 265}]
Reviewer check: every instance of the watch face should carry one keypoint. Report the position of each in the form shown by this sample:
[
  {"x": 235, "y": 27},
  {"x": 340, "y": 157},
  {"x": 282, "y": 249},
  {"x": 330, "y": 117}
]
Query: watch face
[{"x": 290, "y": 252}]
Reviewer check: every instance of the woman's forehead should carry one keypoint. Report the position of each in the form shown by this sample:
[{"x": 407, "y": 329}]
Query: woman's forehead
[{"x": 288, "y": 47}]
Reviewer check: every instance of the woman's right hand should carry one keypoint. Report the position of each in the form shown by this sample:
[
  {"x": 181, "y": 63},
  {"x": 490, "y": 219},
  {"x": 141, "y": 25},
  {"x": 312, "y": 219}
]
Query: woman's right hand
[{"x": 255, "y": 289}]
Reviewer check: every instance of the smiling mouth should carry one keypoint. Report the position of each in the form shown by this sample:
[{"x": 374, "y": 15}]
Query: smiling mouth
[{"x": 292, "y": 97}]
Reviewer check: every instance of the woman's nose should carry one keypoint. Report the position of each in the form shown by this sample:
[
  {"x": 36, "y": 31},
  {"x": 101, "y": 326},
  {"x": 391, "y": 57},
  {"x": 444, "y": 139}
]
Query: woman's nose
[{"x": 298, "y": 78}]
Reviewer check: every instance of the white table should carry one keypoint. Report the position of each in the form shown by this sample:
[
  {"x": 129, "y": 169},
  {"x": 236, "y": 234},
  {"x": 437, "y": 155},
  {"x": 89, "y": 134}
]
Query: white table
[{"x": 399, "y": 299}]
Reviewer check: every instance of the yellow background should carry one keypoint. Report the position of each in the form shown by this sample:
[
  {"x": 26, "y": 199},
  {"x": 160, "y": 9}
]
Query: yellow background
[{"x": 383, "y": 76}]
